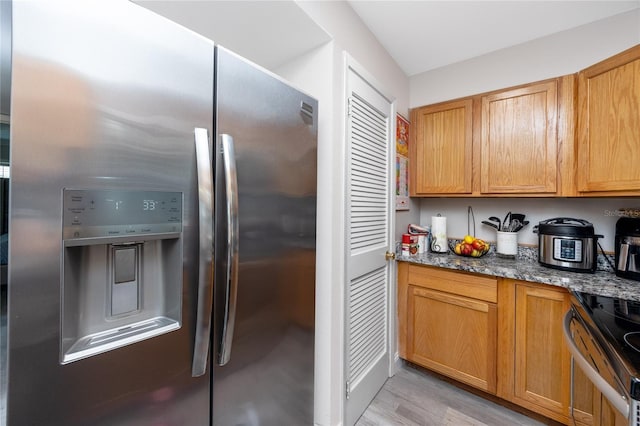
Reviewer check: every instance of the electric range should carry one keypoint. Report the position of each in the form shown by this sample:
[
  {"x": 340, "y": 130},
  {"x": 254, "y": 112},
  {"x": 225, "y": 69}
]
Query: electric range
[{"x": 606, "y": 333}]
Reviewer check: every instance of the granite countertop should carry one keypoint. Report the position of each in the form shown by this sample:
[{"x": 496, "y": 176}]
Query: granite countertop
[{"x": 602, "y": 283}]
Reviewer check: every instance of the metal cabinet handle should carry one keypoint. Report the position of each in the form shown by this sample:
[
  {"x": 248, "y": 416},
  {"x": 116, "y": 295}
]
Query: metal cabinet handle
[
  {"x": 205, "y": 262},
  {"x": 607, "y": 390},
  {"x": 231, "y": 281}
]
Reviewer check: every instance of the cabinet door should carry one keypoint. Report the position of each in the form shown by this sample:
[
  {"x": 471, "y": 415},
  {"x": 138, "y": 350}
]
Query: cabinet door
[
  {"x": 584, "y": 396},
  {"x": 609, "y": 125},
  {"x": 519, "y": 147},
  {"x": 606, "y": 415},
  {"x": 583, "y": 402},
  {"x": 441, "y": 155},
  {"x": 453, "y": 335},
  {"x": 542, "y": 361}
]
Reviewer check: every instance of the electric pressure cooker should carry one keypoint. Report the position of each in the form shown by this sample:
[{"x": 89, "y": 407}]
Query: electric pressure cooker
[{"x": 567, "y": 244}]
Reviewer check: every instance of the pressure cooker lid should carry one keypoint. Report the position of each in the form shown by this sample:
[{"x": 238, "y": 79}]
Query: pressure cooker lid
[{"x": 566, "y": 227}]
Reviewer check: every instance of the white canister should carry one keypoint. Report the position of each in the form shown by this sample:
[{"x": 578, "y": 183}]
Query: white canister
[
  {"x": 507, "y": 243},
  {"x": 439, "y": 242},
  {"x": 422, "y": 241}
]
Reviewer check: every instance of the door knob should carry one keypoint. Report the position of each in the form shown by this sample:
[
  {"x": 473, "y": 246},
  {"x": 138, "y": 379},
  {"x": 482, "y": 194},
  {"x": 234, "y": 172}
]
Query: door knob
[{"x": 389, "y": 256}]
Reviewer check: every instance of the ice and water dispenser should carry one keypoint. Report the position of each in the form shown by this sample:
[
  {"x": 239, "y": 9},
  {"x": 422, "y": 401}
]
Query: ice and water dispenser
[{"x": 122, "y": 269}]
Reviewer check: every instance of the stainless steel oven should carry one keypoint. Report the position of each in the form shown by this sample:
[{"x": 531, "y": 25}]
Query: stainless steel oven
[{"x": 603, "y": 336}]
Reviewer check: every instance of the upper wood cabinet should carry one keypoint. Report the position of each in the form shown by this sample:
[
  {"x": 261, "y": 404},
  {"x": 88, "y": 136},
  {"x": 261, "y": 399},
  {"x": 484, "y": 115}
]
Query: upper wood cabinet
[
  {"x": 519, "y": 143},
  {"x": 608, "y": 130},
  {"x": 441, "y": 151}
]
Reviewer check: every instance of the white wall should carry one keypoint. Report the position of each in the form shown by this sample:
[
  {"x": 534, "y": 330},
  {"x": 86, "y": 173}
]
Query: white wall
[
  {"x": 555, "y": 55},
  {"x": 340, "y": 21},
  {"x": 313, "y": 73},
  {"x": 321, "y": 72},
  {"x": 350, "y": 34},
  {"x": 601, "y": 212},
  {"x": 552, "y": 56}
]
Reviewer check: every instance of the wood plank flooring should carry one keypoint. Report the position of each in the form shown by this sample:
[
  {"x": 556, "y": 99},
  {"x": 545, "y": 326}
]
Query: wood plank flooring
[{"x": 414, "y": 397}]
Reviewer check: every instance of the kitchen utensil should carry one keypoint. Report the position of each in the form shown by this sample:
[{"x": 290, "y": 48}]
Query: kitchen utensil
[
  {"x": 513, "y": 225},
  {"x": 491, "y": 224},
  {"x": 521, "y": 225},
  {"x": 505, "y": 222},
  {"x": 495, "y": 219},
  {"x": 518, "y": 216}
]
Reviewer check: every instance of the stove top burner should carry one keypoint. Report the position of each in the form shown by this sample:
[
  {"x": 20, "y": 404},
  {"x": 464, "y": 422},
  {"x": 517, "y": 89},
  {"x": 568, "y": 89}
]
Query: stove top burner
[{"x": 633, "y": 340}]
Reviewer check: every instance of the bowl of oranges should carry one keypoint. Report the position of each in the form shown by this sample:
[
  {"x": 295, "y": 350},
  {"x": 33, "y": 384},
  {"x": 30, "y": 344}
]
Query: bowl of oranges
[{"x": 471, "y": 246}]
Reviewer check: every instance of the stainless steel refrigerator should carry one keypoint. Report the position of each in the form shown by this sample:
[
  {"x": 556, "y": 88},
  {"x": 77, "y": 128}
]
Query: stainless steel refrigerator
[{"x": 161, "y": 226}]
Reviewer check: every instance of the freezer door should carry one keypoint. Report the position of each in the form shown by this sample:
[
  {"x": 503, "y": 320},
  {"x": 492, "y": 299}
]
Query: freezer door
[
  {"x": 265, "y": 241},
  {"x": 103, "y": 226}
]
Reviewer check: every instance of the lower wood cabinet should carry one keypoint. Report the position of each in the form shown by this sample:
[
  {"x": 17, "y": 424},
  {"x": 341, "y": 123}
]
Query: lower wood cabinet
[
  {"x": 534, "y": 362},
  {"x": 448, "y": 329},
  {"x": 585, "y": 399},
  {"x": 500, "y": 335},
  {"x": 585, "y": 396},
  {"x": 590, "y": 407},
  {"x": 453, "y": 335},
  {"x": 604, "y": 413}
]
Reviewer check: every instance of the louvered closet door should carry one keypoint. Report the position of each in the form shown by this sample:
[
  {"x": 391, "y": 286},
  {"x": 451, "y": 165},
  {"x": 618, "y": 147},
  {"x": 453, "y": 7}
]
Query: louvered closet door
[{"x": 368, "y": 224}]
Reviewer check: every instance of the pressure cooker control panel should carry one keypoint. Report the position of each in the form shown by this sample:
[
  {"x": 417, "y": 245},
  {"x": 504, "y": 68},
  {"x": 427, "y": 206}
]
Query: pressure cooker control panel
[
  {"x": 567, "y": 250},
  {"x": 116, "y": 213}
]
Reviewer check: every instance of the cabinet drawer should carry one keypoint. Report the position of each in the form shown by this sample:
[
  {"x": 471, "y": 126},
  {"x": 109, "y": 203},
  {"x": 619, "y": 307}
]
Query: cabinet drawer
[{"x": 460, "y": 283}]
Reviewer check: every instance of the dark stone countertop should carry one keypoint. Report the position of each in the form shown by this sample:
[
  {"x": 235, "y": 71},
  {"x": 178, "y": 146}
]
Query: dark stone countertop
[{"x": 602, "y": 283}]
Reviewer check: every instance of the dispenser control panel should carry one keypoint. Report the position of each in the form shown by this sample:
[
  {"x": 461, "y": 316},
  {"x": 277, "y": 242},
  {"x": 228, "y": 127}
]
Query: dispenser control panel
[{"x": 117, "y": 213}]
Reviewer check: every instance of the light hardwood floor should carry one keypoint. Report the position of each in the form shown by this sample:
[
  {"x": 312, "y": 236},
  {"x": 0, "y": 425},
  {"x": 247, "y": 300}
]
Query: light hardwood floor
[{"x": 415, "y": 397}]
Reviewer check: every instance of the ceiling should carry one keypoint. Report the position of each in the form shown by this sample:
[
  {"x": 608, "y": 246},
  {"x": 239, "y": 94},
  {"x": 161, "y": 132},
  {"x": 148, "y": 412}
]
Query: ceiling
[
  {"x": 268, "y": 32},
  {"x": 424, "y": 35},
  {"x": 420, "y": 35}
]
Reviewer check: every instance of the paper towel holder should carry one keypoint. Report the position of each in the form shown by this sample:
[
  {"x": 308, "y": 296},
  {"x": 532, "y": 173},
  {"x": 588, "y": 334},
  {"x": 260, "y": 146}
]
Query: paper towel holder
[{"x": 439, "y": 243}]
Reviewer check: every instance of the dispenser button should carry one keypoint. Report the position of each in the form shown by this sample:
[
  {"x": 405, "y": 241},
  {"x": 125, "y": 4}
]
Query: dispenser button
[
  {"x": 125, "y": 265},
  {"x": 125, "y": 291}
]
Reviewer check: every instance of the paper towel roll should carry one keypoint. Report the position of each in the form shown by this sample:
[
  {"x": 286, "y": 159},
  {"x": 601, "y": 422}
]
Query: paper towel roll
[{"x": 439, "y": 243}]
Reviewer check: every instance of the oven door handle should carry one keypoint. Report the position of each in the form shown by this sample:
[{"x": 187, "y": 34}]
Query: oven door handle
[{"x": 618, "y": 401}]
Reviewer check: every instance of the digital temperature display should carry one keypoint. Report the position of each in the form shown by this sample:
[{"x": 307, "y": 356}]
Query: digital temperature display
[
  {"x": 93, "y": 213},
  {"x": 149, "y": 204}
]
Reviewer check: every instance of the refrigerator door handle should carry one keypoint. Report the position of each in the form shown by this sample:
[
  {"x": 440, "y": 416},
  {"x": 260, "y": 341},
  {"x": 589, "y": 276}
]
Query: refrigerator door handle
[
  {"x": 205, "y": 268},
  {"x": 231, "y": 281}
]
